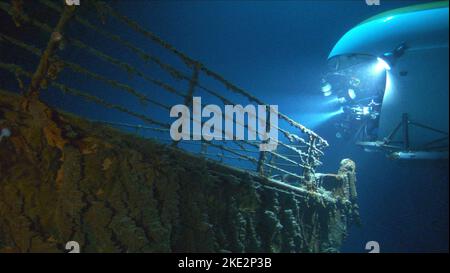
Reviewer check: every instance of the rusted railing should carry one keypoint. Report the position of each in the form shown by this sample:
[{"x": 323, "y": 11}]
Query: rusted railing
[{"x": 299, "y": 150}]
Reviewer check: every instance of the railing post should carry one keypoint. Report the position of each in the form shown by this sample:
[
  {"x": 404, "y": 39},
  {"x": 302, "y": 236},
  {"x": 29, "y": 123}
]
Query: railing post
[
  {"x": 260, "y": 166},
  {"x": 262, "y": 154},
  {"x": 308, "y": 173},
  {"x": 44, "y": 63},
  {"x": 190, "y": 93},
  {"x": 271, "y": 162}
]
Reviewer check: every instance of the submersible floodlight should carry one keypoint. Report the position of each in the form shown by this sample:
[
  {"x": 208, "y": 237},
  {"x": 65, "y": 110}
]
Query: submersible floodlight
[
  {"x": 326, "y": 89},
  {"x": 351, "y": 93},
  {"x": 381, "y": 65}
]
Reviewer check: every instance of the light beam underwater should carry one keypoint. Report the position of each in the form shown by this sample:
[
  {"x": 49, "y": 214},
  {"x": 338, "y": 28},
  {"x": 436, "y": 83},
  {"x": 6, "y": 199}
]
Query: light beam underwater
[{"x": 313, "y": 120}]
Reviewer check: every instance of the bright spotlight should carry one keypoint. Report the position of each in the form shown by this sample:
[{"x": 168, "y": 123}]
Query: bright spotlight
[
  {"x": 326, "y": 89},
  {"x": 365, "y": 111},
  {"x": 381, "y": 65},
  {"x": 351, "y": 94}
]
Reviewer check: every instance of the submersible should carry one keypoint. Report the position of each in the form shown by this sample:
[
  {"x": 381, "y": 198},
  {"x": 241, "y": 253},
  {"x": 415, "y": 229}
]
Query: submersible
[{"x": 390, "y": 74}]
